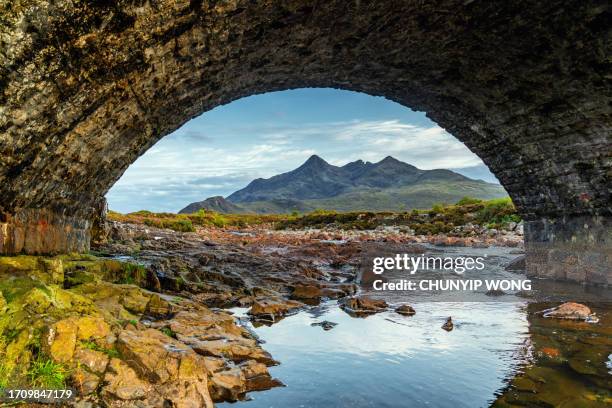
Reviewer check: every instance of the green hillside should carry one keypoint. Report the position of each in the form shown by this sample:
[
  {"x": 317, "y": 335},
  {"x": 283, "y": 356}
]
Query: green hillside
[{"x": 420, "y": 196}]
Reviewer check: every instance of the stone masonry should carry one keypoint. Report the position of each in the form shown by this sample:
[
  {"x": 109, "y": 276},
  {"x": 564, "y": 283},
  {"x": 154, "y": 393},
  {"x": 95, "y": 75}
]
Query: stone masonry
[{"x": 87, "y": 87}]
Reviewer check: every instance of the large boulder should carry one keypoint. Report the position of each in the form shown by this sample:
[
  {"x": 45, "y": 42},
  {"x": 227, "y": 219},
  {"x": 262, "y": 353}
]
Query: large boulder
[
  {"x": 179, "y": 375},
  {"x": 233, "y": 384},
  {"x": 235, "y": 350},
  {"x": 228, "y": 385}
]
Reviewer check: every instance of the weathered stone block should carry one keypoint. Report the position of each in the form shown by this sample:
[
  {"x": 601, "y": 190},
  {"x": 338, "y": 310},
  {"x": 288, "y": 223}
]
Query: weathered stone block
[{"x": 571, "y": 248}]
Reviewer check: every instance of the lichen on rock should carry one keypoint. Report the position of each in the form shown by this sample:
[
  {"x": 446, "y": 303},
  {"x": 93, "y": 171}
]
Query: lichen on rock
[{"x": 107, "y": 340}]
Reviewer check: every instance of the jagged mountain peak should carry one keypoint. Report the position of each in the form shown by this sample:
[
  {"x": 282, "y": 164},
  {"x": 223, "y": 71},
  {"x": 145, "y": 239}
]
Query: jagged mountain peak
[
  {"x": 316, "y": 179},
  {"x": 314, "y": 160}
]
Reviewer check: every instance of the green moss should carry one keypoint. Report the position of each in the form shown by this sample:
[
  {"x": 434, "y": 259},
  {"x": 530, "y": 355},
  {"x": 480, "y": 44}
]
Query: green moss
[
  {"x": 132, "y": 274},
  {"x": 4, "y": 376},
  {"x": 10, "y": 335},
  {"x": 168, "y": 332},
  {"x": 91, "y": 345}
]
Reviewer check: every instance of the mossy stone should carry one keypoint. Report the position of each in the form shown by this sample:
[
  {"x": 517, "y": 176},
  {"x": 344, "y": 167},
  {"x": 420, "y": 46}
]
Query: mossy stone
[
  {"x": 37, "y": 301},
  {"x": 54, "y": 267},
  {"x": 90, "y": 327},
  {"x": 62, "y": 338}
]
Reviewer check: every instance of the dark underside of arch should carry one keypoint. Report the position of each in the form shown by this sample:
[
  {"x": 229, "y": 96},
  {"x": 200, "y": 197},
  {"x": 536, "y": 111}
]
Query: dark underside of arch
[{"x": 87, "y": 87}]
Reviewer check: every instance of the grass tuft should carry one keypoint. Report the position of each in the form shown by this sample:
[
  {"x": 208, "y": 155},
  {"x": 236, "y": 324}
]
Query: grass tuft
[
  {"x": 111, "y": 352},
  {"x": 46, "y": 374}
]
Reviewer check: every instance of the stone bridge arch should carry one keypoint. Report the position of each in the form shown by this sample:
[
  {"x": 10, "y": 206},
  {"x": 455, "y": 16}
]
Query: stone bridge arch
[{"x": 87, "y": 87}]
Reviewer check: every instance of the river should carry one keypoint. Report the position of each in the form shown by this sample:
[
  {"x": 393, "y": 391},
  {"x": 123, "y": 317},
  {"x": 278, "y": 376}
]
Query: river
[{"x": 390, "y": 360}]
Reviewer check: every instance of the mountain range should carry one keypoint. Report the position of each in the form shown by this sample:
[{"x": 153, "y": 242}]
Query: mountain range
[{"x": 389, "y": 185}]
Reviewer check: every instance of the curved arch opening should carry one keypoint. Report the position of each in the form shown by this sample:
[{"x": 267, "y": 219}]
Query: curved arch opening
[{"x": 264, "y": 135}]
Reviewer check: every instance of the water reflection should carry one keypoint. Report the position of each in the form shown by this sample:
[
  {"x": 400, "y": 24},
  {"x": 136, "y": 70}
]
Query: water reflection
[
  {"x": 388, "y": 360},
  {"x": 500, "y": 353}
]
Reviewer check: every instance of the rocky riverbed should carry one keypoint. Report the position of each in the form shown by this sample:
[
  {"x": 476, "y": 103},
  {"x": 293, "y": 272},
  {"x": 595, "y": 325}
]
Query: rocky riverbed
[{"x": 147, "y": 319}]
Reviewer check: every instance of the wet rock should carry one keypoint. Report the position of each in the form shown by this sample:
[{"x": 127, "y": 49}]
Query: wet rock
[
  {"x": 363, "y": 305},
  {"x": 524, "y": 384},
  {"x": 271, "y": 309},
  {"x": 448, "y": 324},
  {"x": 548, "y": 353},
  {"x": 495, "y": 292},
  {"x": 335, "y": 293},
  {"x": 569, "y": 310},
  {"x": 405, "y": 310},
  {"x": 306, "y": 292},
  {"x": 325, "y": 324},
  {"x": 480, "y": 245},
  {"x": 589, "y": 362},
  {"x": 257, "y": 376},
  {"x": 236, "y": 350},
  {"x": 517, "y": 264},
  {"x": 215, "y": 334},
  {"x": 228, "y": 385}
]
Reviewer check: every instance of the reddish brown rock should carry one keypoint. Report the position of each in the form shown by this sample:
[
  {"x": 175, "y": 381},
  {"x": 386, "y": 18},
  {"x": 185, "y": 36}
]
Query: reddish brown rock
[
  {"x": 569, "y": 310},
  {"x": 363, "y": 305},
  {"x": 306, "y": 292},
  {"x": 271, "y": 309},
  {"x": 123, "y": 383},
  {"x": 179, "y": 375}
]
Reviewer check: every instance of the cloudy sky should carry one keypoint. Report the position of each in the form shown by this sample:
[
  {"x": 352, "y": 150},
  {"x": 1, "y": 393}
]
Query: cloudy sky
[{"x": 224, "y": 149}]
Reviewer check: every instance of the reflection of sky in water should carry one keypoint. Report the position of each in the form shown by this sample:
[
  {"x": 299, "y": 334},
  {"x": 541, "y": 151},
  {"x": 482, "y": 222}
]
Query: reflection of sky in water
[{"x": 388, "y": 360}]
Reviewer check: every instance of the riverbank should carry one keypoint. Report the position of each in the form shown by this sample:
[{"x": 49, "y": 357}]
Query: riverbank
[{"x": 149, "y": 317}]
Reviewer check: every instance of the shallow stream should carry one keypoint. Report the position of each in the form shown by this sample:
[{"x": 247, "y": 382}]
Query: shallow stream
[{"x": 389, "y": 360}]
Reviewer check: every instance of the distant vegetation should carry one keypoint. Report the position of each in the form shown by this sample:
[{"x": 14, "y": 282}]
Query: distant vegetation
[
  {"x": 439, "y": 219},
  {"x": 201, "y": 218}
]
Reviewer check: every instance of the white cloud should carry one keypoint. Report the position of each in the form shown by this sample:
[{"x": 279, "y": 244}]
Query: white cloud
[{"x": 190, "y": 166}]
